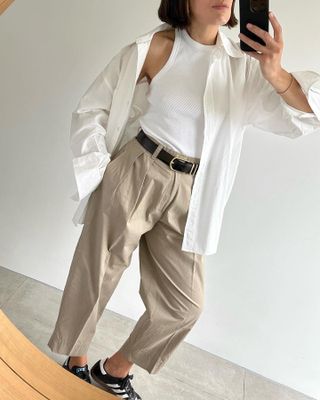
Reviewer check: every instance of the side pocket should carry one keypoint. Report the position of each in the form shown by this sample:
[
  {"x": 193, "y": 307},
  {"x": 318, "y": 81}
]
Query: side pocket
[
  {"x": 115, "y": 155},
  {"x": 122, "y": 149},
  {"x": 113, "y": 159}
]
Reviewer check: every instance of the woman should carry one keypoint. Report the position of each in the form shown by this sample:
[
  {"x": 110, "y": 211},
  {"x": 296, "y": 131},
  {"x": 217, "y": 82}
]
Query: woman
[{"x": 180, "y": 93}]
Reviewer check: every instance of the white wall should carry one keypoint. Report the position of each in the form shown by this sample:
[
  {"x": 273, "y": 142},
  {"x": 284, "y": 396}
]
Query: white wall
[{"x": 262, "y": 298}]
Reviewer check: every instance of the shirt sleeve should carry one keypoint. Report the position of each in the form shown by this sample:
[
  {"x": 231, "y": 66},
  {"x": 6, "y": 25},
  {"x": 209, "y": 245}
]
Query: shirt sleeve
[
  {"x": 88, "y": 129},
  {"x": 268, "y": 111}
]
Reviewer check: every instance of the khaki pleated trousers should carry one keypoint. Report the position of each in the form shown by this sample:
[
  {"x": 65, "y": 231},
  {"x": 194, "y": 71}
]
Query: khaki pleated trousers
[{"x": 140, "y": 201}]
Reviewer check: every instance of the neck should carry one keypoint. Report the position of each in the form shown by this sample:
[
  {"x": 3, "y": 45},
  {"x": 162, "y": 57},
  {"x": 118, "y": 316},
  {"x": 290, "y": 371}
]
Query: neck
[{"x": 205, "y": 34}]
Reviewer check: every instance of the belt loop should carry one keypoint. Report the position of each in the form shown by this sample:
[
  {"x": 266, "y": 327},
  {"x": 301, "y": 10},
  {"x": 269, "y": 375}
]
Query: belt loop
[{"x": 157, "y": 151}]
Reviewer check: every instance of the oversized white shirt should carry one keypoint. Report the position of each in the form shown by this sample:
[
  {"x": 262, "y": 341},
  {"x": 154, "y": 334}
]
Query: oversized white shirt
[{"x": 236, "y": 95}]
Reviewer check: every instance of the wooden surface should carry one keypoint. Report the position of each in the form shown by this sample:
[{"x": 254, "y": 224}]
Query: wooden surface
[
  {"x": 4, "y": 4},
  {"x": 27, "y": 373}
]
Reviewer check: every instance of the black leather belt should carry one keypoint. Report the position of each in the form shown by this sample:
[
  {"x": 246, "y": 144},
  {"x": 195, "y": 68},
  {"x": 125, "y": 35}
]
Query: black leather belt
[{"x": 175, "y": 163}]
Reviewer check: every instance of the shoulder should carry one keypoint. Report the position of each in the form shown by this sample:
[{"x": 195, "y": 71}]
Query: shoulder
[
  {"x": 161, "y": 41},
  {"x": 159, "y": 50}
]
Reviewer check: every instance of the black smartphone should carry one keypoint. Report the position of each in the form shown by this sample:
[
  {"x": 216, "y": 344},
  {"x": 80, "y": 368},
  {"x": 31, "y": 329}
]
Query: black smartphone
[{"x": 257, "y": 13}]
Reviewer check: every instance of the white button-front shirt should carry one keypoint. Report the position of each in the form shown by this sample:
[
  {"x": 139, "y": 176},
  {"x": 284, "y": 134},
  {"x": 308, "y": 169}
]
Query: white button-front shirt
[{"x": 236, "y": 95}]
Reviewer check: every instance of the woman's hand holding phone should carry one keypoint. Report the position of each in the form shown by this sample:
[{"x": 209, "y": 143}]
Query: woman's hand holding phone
[{"x": 270, "y": 54}]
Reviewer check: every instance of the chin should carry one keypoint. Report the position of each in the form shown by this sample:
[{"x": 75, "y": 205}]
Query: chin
[{"x": 219, "y": 21}]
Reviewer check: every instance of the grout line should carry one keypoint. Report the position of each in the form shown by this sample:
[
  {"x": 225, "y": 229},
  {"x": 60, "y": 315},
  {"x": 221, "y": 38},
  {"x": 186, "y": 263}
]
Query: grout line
[
  {"x": 6, "y": 301},
  {"x": 244, "y": 384},
  {"x": 202, "y": 390}
]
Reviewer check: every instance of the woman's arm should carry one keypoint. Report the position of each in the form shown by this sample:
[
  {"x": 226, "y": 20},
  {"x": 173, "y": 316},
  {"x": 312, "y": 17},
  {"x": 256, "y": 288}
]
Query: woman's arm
[
  {"x": 267, "y": 110},
  {"x": 88, "y": 128},
  {"x": 291, "y": 91},
  {"x": 293, "y": 113}
]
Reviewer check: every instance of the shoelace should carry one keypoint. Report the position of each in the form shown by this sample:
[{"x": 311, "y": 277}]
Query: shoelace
[
  {"x": 126, "y": 384},
  {"x": 82, "y": 371}
]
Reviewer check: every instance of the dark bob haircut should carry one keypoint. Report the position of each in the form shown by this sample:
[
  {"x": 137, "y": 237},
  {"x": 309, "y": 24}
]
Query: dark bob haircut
[{"x": 177, "y": 14}]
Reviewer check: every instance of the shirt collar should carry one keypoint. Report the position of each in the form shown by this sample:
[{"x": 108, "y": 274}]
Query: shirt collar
[{"x": 231, "y": 48}]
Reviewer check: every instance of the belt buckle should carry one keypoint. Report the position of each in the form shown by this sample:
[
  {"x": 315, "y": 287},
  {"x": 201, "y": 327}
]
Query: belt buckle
[{"x": 193, "y": 169}]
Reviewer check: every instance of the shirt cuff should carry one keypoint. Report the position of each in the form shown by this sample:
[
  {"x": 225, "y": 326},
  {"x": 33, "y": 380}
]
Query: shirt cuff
[{"x": 88, "y": 171}]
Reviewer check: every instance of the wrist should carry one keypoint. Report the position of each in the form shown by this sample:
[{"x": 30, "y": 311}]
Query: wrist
[{"x": 282, "y": 81}]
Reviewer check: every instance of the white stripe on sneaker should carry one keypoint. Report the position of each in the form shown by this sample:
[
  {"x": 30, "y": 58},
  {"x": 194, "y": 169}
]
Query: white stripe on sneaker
[{"x": 102, "y": 370}]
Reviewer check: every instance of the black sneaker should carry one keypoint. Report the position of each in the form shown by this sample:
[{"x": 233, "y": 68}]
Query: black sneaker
[
  {"x": 120, "y": 387},
  {"x": 80, "y": 372}
]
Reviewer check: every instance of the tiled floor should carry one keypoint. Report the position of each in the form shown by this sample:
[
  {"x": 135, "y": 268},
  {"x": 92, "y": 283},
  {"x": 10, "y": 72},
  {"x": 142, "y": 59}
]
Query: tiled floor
[{"x": 33, "y": 306}]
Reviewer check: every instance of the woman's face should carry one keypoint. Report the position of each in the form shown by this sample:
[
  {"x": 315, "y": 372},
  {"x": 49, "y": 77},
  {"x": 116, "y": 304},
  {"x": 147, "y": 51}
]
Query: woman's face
[{"x": 204, "y": 12}]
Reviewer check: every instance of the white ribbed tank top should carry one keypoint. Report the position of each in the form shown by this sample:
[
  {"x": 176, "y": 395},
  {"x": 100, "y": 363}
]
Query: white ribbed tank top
[{"x": 174, "y": 115}]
